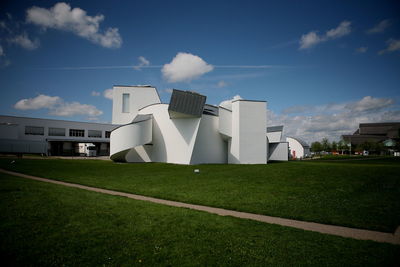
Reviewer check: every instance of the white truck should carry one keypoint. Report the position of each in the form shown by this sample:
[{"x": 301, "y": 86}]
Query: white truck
[{"x": 87, "y": 149}]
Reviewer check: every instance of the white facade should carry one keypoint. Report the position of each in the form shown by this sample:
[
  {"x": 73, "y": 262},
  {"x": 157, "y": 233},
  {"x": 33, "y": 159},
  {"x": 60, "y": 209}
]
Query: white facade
[
  {"x": 248, "y": 142},
  {"x": 277, "y": 149},
  {"x": 47, "y": 136},
  {"x": 185, "y": 132},
  {"x": 298, "y": 148},
  {"x": 127, "y": 100}
]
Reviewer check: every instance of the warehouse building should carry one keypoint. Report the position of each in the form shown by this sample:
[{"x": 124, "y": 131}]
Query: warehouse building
[
  {"x": 22, "y": 135},
  {"x": 374, "y": 132}
]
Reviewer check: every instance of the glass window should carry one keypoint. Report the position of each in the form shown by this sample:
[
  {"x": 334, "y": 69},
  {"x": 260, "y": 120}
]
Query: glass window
[
  {"x": 77, "y": 132},
  {"x": 108, "y": 134},
  {"x": 125, "y": 103},
  {"x": 56, "y": 131},
  {"x": 94, "y": 133},
  {"x": 34, "y": 130}
]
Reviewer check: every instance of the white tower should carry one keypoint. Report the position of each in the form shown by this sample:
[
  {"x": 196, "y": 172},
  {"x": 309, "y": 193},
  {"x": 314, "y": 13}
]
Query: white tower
[{"x": 127, "y": 100}]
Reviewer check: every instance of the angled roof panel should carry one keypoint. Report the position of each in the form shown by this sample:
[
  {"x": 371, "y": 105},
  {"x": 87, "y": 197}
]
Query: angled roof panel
[{"x": 186, "y": 104}]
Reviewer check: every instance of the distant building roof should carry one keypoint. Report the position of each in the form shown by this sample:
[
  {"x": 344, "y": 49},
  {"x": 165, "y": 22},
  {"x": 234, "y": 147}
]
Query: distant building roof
[
  {"x": 275, "y": 129},
  {"x": 374, "y": 132},
  {"x": 302, "y": 142},
  {"x": 359, "y": 139}
]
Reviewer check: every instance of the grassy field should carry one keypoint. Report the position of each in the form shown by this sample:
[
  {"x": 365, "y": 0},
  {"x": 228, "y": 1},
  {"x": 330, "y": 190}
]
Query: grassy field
[
  {"x": 43, "y": 224},
  {"x": 361, "y": 194}
]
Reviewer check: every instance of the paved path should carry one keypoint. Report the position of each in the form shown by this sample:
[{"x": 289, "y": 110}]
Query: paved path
[{"x": 309, "y": 226}]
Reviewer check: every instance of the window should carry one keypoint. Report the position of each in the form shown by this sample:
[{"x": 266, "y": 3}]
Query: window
[
  {"x": 94, "y": 133},
  {"x": 34, "y": 130},
  {"x": 108, "y": 134},
  {"x": 56, "y": 131},
  {"x": 77, "y": 132},
  {"x": 125, "y": 103}
]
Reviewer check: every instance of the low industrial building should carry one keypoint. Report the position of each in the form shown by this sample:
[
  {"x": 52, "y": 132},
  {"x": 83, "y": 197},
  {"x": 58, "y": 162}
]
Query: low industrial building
[
  {"x": 22, "y": 135},
  {"x": 374, "y": 133}
]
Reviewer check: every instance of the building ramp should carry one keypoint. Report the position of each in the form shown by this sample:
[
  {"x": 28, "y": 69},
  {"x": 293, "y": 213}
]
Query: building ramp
[{"x": 129, "y": 136}]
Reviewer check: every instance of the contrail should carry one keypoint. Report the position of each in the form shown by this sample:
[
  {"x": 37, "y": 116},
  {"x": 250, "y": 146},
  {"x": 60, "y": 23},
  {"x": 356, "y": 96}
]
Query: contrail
[{"x": 136, "y": 67}]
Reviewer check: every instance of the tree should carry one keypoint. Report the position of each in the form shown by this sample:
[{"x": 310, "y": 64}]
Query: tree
[
  {"x": 326, "y": 146},
  {"x": 342, "y": 145},
  {"x": 334, "y": 146},
  {"x": 316, "y": 147}
]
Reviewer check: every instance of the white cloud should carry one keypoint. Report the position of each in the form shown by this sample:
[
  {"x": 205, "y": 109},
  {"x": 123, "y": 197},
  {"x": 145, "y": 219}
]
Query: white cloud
[
  {"x": 57, "y": 106},
  {"x": 62, "y": 17},
  {"x": 221, "y": 84},
  {"x": 95, "y": 93},
  {"x": 380, "y": 27},
  {"x": 24, "y": 41},
  {"x": 333, "y": 120},
  {"x": 392, "y": 46},
  {"x": 362, "y": 49},
  {"x": 108, "y": 93},
  {"x": 1, "y": 51},
  {"x": 309, "y": 40},
  {"x": 75, "y": 108},
  {"x": 169, "y": 90},
  {"x": 142, "y": 63},
  {"x": 185, "y": 67},
  {"x": 39, "y": 102},
  {"x": 312, "y": 38},
  {"x": 369, "y": 103},
  {"x": 343, "y": 29}
]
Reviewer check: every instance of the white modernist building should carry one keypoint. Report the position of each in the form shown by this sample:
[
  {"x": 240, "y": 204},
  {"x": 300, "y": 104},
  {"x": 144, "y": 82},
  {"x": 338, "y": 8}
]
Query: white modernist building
[
  {"x": 189, "y": 131},
  {"x": 298, "y": 148},
  {"x": 22, "y": 135}
]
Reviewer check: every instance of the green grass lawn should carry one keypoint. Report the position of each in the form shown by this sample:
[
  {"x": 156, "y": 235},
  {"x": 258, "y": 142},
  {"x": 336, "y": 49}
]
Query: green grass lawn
[
  {"x": 361, "y": 194},
  {"x": 43, "y": 224}
]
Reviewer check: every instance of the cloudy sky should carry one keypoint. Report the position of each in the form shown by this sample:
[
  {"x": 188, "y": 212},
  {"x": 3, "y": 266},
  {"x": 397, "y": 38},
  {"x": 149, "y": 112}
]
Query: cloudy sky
[{"x": 322, "y": 66}]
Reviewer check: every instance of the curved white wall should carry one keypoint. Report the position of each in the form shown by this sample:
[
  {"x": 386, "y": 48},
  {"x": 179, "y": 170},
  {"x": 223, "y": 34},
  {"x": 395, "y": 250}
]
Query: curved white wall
[
  {"x": 129, "y": 136},
  {"x": 296, "y": 147},
  {"x": 173, "y": 139}
]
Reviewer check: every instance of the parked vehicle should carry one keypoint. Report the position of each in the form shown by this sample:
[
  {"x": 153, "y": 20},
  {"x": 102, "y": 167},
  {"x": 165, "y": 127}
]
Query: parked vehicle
[
  {"x": 91, "y": 151},
  {"x": 87, "y": 149}
]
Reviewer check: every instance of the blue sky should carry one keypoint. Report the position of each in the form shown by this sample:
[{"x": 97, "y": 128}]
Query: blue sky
[{"x": 322, "y": 66}]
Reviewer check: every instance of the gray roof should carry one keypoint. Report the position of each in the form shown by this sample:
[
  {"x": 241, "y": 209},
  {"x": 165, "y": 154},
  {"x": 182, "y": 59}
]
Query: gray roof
[
  {"x": 275, "y": 129},
  {"x": 186, "y": 103},
  {"x": 302, "y": 142},
  {"x": 378, "y": 128}
]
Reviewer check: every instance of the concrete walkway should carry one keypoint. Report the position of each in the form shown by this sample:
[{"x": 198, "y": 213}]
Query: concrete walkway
[{"x": 309, "y": 226}]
